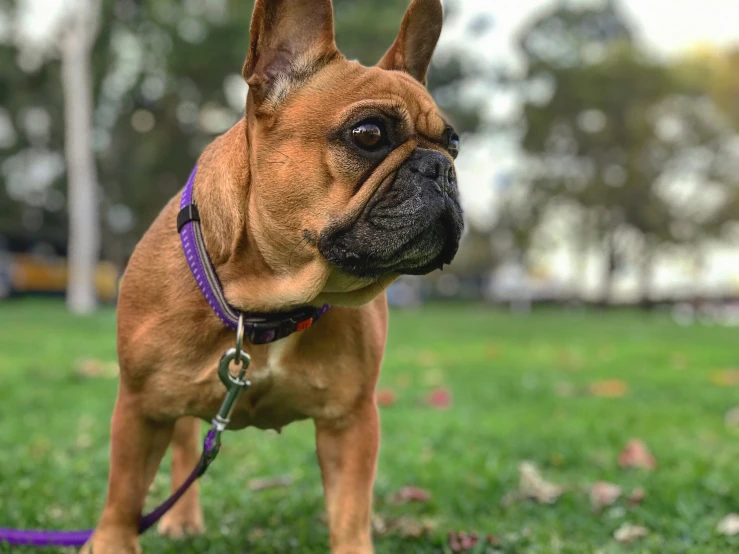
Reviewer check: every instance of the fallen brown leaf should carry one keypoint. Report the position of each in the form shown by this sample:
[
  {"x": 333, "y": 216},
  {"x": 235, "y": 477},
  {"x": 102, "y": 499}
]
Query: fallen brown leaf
[
  {"x": 725, "y": 378},
  {"x": 636, "y": 497},
  {"x": 611, "y": 388},
  {"x": 636, "y": 454},
  {"x": 603, "y": 494},
  {"x": 729, "y": 526},
  {"x": 409, "y": 527},
  {"x": 386, "y": 397},
  {"x": 461, "y": 541},
  {"x": 440, "y": 398},
  {"x": 628, "y": 533},
  {"x": 533, "y": 486},
  {"x": 410, "y": 494},
  {"x": 405, "y": 526},
  {"x": 379, "y": 524},
  {"x": 262, "y": 483}
]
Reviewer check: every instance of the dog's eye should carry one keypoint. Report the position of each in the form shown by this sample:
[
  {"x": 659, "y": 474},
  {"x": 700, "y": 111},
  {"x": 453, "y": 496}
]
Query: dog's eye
[
  {"x": 453, "y": 146},
  {"x": 370, "y": 135}
]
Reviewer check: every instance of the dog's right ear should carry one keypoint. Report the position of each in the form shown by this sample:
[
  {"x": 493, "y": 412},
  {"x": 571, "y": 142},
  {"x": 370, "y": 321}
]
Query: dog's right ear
[
  {"x": 417, "y": 39},
  {"x": 290, "y": 40}
]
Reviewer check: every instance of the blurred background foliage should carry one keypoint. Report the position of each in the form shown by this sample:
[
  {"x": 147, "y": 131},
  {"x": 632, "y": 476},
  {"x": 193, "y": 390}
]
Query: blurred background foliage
[
  {"x": 619, "y": 152},
  {"x": 607, "y": 132}
]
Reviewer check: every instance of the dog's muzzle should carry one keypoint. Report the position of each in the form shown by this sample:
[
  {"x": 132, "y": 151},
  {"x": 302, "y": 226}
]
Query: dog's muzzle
[{"x": 411, "y": 227}]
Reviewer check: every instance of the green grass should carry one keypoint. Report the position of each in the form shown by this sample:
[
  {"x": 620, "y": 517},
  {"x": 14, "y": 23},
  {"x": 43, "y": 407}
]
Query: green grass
[{"x": 504, "y": 373}]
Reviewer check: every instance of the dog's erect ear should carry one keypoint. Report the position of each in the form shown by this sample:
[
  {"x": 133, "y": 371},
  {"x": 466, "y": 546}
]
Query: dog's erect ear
[
  {"x": 290, "y": 40},
  {"x": 412, "y": 50}
]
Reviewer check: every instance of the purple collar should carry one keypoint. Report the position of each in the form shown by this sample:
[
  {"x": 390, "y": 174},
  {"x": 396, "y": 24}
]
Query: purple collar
[{"x": 260, "y": 328}]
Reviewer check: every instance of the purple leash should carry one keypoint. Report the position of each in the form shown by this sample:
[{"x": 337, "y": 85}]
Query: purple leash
[
  {"x": 32, "y": 537},
  {"x": 211, "y": 446}
]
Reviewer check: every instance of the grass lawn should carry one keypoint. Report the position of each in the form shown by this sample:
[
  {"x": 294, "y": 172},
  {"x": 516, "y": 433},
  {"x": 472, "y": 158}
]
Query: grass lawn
[{"x": 521, "y": 390}]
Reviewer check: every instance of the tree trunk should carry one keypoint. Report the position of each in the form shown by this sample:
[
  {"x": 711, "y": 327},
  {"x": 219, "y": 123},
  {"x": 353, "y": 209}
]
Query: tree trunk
[
  {"x": 608, "y": 271},
  {"x": 583, "y": 247},
  {"x": 82, "y": 198},
  {"x": 645, "y": 275}
]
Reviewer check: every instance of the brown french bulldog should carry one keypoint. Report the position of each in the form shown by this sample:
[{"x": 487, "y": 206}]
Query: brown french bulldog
[{"x": 338, "y": 179}]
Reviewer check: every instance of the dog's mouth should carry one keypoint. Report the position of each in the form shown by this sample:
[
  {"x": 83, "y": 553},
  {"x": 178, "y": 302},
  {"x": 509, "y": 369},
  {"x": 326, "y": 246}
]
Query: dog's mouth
[
  {"x": 370, "y": 255},
  {"x": 413, "y": 227}
]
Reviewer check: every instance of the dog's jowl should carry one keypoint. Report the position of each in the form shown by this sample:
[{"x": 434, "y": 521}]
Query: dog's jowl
[{"x": 338, "y": 179}]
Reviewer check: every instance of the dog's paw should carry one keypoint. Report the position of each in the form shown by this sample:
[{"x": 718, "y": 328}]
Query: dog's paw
[
  {"x": 180, "y": 524},
  {"x": 102, "y": 543}
]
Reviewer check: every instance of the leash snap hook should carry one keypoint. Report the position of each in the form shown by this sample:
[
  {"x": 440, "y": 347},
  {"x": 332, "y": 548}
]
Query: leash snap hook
[
  {"x": 240, "y": 358},
  {"x": 235, "y": 384},
  {"x": 229, "y": 380}
]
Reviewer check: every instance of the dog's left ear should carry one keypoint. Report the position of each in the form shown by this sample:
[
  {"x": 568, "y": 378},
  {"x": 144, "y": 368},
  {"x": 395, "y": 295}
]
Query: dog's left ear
[
  {"x": 290, "y": 40},
  {"x": 417, "y": 39}
]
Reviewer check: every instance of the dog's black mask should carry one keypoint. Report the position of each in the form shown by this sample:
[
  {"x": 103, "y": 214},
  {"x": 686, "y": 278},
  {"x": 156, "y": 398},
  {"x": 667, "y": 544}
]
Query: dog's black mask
[{"x": 412, "y": 227}]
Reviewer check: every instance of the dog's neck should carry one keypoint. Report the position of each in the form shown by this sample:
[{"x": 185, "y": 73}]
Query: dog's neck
[
  {"x": 221, "y": 192},
  {"x": 250, "y": 279}
]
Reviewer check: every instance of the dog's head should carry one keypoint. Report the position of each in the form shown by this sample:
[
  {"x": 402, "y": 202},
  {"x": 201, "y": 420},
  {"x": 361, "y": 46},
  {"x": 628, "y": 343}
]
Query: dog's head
[{"x": 352, "y": 167}]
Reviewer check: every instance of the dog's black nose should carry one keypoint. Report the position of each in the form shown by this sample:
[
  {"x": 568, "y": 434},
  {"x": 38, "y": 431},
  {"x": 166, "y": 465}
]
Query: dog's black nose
[{"x": 430, "y": 163}]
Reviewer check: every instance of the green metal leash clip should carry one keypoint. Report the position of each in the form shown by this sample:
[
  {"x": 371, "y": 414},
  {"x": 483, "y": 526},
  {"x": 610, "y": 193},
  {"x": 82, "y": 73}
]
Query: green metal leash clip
[{"x": 235, "y": 384}]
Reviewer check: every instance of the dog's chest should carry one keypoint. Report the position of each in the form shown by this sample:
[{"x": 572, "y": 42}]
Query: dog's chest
[{"x": 285, "y": 387}]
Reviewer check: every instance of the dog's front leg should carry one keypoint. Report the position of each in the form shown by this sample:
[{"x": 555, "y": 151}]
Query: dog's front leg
[
  {"x": 137, "y": 447},
  {"x": 347, "y": 453},
  {"x": 186, "y": 517}
]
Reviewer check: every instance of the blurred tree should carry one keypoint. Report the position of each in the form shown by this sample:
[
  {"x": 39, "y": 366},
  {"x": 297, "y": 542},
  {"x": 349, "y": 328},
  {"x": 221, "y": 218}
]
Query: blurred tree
[
  {"x": 716, "y": 73},
  {"x": 456, "y": 72},
  {"x": 30, "y": 140},
  {"x": 365, "y": 29},
  {"x": 607, "y": 134},
  {"x": 476, "y": 255}
]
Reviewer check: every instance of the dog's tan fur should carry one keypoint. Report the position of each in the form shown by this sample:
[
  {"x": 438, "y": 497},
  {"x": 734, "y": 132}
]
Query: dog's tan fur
[{"x": 265, "y": 190}]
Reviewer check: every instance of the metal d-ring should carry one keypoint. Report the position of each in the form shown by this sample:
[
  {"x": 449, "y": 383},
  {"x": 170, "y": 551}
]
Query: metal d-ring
[{"x": 239, "y": 336}]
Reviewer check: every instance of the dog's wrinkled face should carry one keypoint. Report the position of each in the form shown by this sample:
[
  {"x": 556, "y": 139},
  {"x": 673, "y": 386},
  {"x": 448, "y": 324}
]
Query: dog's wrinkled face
[
  {"x": 411, "y": 221},
  {"x": 350, "y": 165}
]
